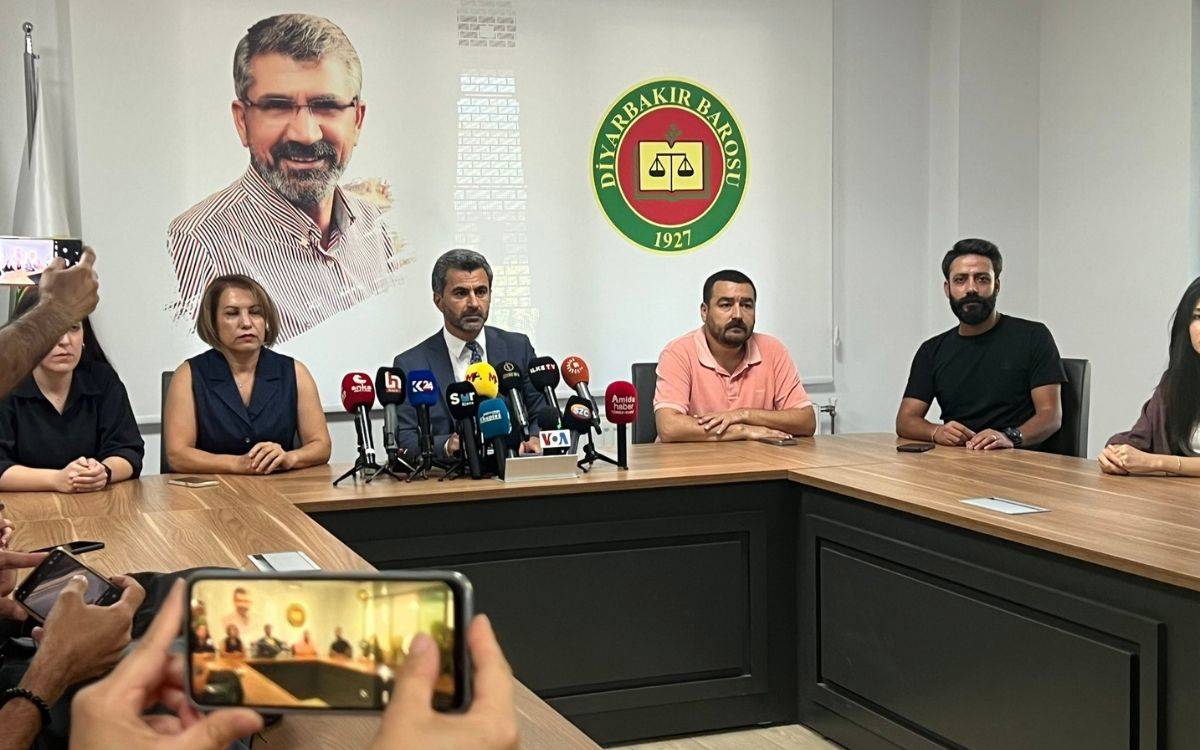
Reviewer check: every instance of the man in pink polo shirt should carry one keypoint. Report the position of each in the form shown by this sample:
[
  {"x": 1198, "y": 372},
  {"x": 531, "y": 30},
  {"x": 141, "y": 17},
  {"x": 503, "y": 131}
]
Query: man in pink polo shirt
[{"x": 723, "y": 381}]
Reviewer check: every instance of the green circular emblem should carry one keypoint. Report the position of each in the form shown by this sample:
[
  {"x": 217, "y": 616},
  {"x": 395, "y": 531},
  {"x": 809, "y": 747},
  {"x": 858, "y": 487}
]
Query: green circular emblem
[{"x": 669, "y": 165}]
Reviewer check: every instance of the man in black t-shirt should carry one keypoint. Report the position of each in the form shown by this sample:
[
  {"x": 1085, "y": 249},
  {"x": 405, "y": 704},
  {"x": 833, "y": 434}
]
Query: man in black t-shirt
[{"x": 996, "y": 378}]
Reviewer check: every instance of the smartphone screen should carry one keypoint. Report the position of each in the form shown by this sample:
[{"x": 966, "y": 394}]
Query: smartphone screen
[
  {"x": 40, "y": 590},
  {"x": 23, "y": 258},
  {"x": 299, "y": 641}
]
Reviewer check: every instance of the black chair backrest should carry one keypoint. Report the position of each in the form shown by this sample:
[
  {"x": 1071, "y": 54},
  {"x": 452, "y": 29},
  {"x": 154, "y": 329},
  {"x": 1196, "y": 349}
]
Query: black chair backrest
[
  {"x": 1072, "y": 438},
  {"x": 163, "y": 466},
  {"x": 645, "y": 379}
]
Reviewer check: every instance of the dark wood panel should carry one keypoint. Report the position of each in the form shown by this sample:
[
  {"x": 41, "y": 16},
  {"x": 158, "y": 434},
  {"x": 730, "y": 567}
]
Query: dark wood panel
[{"x": 965, "y": 668}]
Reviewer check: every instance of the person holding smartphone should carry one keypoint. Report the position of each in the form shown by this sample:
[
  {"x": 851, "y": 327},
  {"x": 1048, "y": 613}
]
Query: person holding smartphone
[
  {"x": 723, "y": 381},
  {"x": 109, "y": 713},
  {"x": 68, "y": 426}
]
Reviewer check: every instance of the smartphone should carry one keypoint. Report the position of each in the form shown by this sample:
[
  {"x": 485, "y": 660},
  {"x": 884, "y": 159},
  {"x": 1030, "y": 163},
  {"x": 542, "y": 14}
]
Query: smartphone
[
  {"x": 38, "y": 592},
  {"x": 22, "y": 259},
  {"x": 778, "y": 441},
  {"x": 320, "y": 641},
  {"x": 75, "y": 548},
  {"x": 914, "y": 447}
]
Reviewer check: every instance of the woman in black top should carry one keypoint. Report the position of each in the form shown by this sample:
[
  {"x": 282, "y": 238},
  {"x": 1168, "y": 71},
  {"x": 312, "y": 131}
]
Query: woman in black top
[
  {"x": 239, "y": 407},
  {"x": 203, "y": 642},
  {"x": 232, "y": 644},
  {"x": 68, "y": 426}
]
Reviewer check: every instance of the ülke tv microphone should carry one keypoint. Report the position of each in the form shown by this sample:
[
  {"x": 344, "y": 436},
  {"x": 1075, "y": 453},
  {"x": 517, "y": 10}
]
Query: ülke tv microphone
[
  {"x": 621, "y": 408},
  {"x": 494, "y": 424},
  {"x": 543, "y": 373},
  {"x": 511, "y": 381},
  {"x": 463, "y": 403},
  {"x": 575, "y": 374}
]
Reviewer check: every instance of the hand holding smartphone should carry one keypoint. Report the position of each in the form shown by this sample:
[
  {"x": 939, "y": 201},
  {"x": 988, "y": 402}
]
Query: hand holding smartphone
[
  {"x": 309, "y": 641},
  {"x": 22, "y": 259},
  {"x": 38, "y": 592}
]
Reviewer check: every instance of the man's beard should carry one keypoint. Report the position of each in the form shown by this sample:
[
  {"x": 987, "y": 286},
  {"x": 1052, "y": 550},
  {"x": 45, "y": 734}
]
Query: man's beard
[
  {"x": 480, "y": 316},
  {"x": 303, "y": 188},
  {"x": 734, "y": 325},
  {"x": 980, "y": 308}
]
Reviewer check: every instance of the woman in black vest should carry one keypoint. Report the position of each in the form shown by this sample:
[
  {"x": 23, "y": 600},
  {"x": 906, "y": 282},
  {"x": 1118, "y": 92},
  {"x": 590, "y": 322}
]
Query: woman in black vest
[
  {"x": 68, "y": 426},
  {"x": 238, "y": 407}
]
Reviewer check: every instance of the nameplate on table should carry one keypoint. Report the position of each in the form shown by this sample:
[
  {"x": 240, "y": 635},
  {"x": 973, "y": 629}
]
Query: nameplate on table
[
  {"x": 528, "y": 468},
  {"x": 1004, "y": 505}
]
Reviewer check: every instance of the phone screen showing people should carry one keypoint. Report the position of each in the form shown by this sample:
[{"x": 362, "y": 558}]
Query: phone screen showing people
[
  {"x": 40, "y": 590},
  {"x": 310, "y": 643},
  {"x": 23, "y": 258}
]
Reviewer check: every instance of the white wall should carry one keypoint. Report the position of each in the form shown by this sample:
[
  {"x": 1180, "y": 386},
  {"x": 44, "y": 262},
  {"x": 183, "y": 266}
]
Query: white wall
[{"x": 1115, "y": 185}]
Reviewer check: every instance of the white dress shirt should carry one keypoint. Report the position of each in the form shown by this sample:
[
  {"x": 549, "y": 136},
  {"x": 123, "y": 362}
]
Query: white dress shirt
[{"x": 460, "y": 355}]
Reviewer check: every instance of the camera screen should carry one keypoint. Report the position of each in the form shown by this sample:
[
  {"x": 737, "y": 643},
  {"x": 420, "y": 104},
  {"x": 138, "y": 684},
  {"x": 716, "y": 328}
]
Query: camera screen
[
  {"x": 49, "y": 578},
  {"x": 315, "y": 644},
  {"x": 21, "y": 258}
]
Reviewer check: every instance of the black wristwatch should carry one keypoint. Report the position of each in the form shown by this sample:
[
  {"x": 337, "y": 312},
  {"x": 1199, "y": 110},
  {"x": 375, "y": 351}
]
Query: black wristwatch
[
  {"x": 107, "y": 473},
  {"x": 39, "y": 704},
  {"x": 1014, "y": 435}
]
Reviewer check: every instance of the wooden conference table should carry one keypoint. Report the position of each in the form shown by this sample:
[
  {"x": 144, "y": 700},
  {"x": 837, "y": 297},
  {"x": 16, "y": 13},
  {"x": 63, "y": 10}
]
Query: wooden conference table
[{"x": 837, "y": 583}]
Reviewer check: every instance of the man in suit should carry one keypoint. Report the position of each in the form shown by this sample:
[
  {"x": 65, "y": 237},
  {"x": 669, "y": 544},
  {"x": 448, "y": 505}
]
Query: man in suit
[{"x": 462, "y": 291}]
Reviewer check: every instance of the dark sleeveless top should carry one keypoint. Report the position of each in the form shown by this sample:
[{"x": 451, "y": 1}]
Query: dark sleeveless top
[{"x": 224, "y": 424}]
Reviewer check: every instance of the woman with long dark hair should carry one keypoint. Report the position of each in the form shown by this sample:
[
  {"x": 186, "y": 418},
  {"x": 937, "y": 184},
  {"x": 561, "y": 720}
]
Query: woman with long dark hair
[
  {"x": 1166, "y": 438},
  {"x": 68, "y": 426}
]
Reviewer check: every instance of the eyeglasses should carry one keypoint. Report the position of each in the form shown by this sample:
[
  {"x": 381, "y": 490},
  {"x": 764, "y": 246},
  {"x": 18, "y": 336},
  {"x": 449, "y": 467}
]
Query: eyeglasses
[{"x": 283, "y": 109}]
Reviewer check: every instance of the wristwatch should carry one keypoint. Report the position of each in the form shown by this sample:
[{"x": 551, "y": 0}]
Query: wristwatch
[
  {"x": 1014, "y": 435},
  {"x": 107, "y": 473}
]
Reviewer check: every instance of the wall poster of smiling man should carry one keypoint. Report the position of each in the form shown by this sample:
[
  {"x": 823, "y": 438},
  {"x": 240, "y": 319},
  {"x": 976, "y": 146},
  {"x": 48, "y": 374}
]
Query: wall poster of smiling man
[{"x": 318, "y": 248}]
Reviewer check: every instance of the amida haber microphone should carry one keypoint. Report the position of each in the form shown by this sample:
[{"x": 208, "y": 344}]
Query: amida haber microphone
[
  {"x": 483, "y": 377},
  {"x": 463, "y": 403},
  {"x": 390, "y": 385},
  {"x": 358, "y": 396},
  {"x": 511, "y": 382},
  {"x": 575, "y": 374},
  {"x": 494, "y": 425},
  {"x": 543, "y": 373},
  {"x": 621, "y": 408},
  {"x": 423, "y": 392}
]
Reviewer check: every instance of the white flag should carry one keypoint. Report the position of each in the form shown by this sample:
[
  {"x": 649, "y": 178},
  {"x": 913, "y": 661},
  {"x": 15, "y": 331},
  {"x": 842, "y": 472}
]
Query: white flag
[{"x": 41, "y": 209}]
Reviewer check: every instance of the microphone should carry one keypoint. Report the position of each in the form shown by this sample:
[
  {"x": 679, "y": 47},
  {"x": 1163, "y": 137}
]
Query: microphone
[
  {"x": 553, "y": 440},
  {"x": 423, "y": 393},
  {"x": 358, "y": 396},
  {"x": 495, "y": 425},
  {"x": 389, "y": 386},
  {"x": 575, "y": 374},
  {"x": 511, "y": 380},
  {"x": 463, "y": 403},
  {"x": 577, "y": 417},
  {"x": 484, "y": 379},
  {"x": 620, "y": 408},
  {"x": 543, "y": 373}
]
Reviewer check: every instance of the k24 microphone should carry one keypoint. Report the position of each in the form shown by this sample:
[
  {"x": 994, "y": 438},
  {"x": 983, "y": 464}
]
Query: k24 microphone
[
  {"x": 483, "y": 377},
  {"x": 575, "y": 374},
  {"x": 494, "y": 424},
  {"x": 511, "y": 382},
  {"x": 621, "y": 408},
  {"x": 423, "y": 392},
  {"x": 463, "y": 403},
  {"x": 543, "y": 373}
]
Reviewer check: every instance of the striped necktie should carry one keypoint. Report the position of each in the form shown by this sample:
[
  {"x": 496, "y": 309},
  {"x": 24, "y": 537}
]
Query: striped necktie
[{"x": 476, "y": 352}]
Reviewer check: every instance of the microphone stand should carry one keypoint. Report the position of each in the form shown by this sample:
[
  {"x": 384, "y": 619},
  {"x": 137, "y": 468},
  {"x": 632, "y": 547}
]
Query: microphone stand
[
  {"x": 591, "y": 455},
  {"x": 393, "y": 459},
  {"x": 362, "y": 463}
]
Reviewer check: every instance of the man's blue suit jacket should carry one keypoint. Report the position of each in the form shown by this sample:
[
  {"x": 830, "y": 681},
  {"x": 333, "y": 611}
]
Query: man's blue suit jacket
[{"x": 432, "y": 354}]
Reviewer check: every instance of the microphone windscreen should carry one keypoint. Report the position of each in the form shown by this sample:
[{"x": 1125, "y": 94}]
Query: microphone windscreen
[
  {"x": 357, "y": 391},
  {"x": 574, "y": 371},
  {"x": 462, "y": 400},
  {"x": 620, "y": 402},
  {"x": 577, "y": 414},
  {"x": 483, "y": 377},
  {"x": 543, "y": 373},
  {"x": 422, "y": 388},
  {"x": 547, "y": 418},
  {"x": 493, "y": 419},
  {"x": 389, "y": 385},
  {"x": 511, "y": 376}
]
